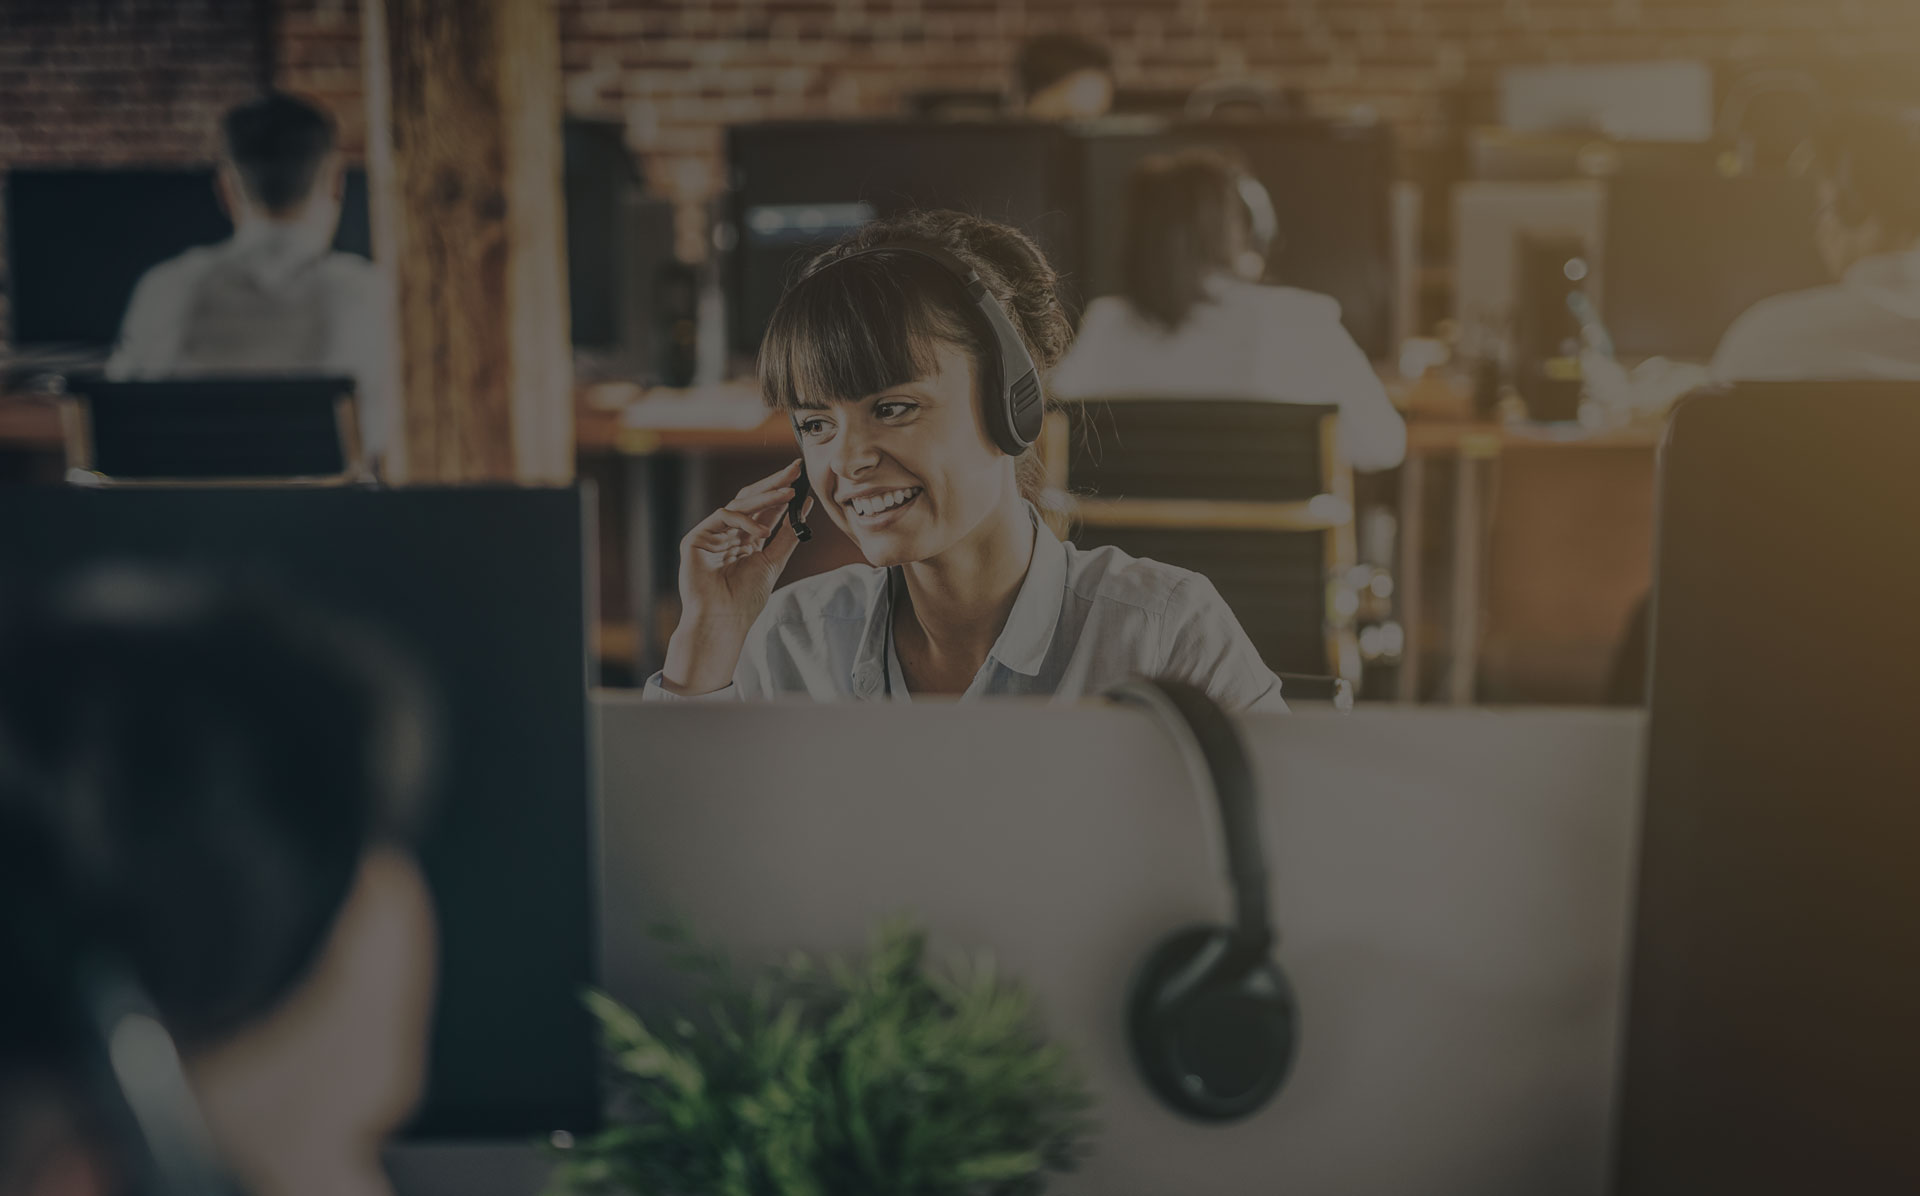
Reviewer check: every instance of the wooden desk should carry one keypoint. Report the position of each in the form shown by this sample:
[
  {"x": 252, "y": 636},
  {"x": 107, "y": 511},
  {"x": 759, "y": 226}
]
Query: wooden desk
[
  {"x": 31, "y": 423},
  {"x": 1475, "y": 448}
]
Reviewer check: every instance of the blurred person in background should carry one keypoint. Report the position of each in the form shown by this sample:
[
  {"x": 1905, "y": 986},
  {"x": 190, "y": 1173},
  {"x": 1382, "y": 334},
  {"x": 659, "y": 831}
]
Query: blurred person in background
[
  {"x": 1194, "y": 321},
  {"x": 1062, "y": 77},
  {"x": 274, "y": 298},
  {"x": 1867, "y": 324},
  {"x": 218, "y": 948}
]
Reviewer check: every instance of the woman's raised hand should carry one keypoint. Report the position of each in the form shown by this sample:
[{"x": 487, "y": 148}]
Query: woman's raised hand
[{"x": 729, "y": 563}]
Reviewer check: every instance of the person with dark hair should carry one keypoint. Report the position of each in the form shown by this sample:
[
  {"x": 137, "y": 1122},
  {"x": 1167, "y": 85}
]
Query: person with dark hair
[
  {"x": 1867, "y": 324},
  {"x": 879, "y": 358},
  {"x": 1062, "y": 77},
  {"x": 1194, "y": 321},
  {"x": 217, "y": 946},
  {"x": 274, "y": 298}
]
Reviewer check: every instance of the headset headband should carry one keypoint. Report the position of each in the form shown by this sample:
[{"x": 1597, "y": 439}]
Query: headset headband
[{"x": 1010, "y": 392}]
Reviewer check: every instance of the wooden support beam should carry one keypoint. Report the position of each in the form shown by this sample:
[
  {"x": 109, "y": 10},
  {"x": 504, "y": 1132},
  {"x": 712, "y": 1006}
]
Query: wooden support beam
[{"x": 464, "y": 170}]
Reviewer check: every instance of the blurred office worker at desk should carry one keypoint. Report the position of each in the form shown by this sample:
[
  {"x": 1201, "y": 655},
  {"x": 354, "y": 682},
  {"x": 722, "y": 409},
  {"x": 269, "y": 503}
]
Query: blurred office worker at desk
[
  {"x": 275, "y": 298},
  {"x": 910, "y": 360},
  {"x": 217, "y": 945},
  {"x": 1194, "y": 320},
  {"x": 1063, "y": 77},
  {"x": 1867, "y": 324}
]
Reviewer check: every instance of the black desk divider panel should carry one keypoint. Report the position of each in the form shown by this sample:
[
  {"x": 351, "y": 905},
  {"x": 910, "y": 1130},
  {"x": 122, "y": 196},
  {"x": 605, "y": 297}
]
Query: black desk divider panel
[
  {"x": 217, "y": 428},
  {"x": 486, "y": 588},
  {"x": 1773, "y": 1028}
]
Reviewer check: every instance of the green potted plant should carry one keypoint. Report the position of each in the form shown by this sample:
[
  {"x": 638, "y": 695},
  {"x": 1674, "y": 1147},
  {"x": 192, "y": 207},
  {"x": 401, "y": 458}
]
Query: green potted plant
[{"x": 882, "y": 1078}]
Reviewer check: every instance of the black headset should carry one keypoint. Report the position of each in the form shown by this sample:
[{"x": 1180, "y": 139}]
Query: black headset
[
  {"x": 1010, "y": 382},
  {"x": 1212, "y": 1019}
]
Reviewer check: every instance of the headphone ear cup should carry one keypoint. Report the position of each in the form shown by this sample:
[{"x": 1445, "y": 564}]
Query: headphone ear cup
[{"x": 1215, "y": 1047}]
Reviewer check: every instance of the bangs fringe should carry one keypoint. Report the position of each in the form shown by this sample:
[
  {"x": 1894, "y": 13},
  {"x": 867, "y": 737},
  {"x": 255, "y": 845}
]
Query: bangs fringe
[{"x": 855, "y": 328}]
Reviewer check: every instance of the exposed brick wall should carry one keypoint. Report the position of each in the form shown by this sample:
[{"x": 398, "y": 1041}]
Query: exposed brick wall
[
  {"x": 678, "y": 71},
  {"x": 122, "y": 80}
]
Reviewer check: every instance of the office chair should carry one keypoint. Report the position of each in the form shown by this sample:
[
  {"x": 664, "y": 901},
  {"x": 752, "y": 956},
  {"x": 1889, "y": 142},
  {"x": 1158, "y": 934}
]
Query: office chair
[
  {"x": 212, "y": 431},
  {"x": 1251, "y": 494}
]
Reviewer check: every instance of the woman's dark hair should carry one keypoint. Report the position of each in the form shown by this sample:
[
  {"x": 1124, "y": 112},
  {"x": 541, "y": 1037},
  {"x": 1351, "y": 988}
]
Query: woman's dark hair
[
  {"x": 189, "y": 779},
  {"x": 842, "y": 333},
  {"x": 1186, "y": 221}
]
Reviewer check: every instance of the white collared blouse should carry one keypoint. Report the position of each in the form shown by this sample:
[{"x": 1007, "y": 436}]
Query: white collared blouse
[{"x": 1083, "y": 621}]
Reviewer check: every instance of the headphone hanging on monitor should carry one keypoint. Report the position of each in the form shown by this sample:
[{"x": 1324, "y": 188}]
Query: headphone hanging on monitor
[{"x": 1212, "y": 1019}]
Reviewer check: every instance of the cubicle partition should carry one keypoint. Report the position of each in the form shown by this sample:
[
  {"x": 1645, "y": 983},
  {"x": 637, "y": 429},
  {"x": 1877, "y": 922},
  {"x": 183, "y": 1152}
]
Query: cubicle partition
[{"x": 1450, "y": 890}]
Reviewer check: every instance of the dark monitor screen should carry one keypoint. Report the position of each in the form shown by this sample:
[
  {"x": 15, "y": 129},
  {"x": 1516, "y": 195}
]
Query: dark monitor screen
[
  {"x": 1771, "y": 1046},
  {"x": 484, "y": 587},
  {"x": 1686, "y": 252},
  {"x": 79, "y": 240},
  {"x": 796, "y": 187},
  {"x": 1331, "y": 190}
]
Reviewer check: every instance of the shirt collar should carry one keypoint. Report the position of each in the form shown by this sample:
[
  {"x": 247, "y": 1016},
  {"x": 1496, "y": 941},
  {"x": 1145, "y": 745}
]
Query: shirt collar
[
  {"x": 1023, "y": 642},
  {"x": 869, "y": 676},
  {"x": 275, "y": 250}
]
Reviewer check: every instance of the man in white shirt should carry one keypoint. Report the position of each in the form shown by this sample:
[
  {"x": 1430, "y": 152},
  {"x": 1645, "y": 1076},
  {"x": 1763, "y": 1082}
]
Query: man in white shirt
[
  {"x": 274, "y": 298},
  {"x": 1867, "y": 325}
]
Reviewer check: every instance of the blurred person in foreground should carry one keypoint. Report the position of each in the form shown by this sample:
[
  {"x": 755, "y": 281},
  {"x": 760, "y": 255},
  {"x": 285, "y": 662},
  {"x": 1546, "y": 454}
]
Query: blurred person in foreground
[
  {"x": 1867, "y": 324},
  {"x": 1195, "y": 321},
  {"x": 219, "y": 949},
  {"x": 275, "y": 298}
]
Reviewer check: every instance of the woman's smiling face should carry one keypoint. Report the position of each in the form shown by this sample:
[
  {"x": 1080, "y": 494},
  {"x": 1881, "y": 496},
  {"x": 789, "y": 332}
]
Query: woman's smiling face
[{"x": 909, "y": 471}]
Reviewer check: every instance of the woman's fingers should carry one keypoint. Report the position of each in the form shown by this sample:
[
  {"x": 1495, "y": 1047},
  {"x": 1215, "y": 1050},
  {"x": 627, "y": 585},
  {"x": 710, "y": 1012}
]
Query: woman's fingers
[
  {"x": 759, "y": 493},
  {"x": 745, "y": 524}
]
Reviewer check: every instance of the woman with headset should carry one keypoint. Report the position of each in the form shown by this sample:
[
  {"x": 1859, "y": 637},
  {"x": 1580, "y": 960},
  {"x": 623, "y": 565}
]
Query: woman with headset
[
  {"x": 909, "y": 358},
  {"x": 1194, "y": 320},
  {"x": 218, "y": 949}
]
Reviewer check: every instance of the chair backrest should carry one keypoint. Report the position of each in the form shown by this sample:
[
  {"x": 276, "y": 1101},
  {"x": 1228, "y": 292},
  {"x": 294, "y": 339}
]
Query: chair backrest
[
  {"x": 1769, "y": 1045},
  {"x": 1248, "y": 493},
  {"x": 201, "y": 430},
  {"x": 1218, "y": 449}
]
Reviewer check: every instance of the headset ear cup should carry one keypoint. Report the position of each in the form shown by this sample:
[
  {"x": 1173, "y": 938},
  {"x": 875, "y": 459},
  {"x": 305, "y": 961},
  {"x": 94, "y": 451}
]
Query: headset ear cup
[{"x": 1213, "y": 1047}]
